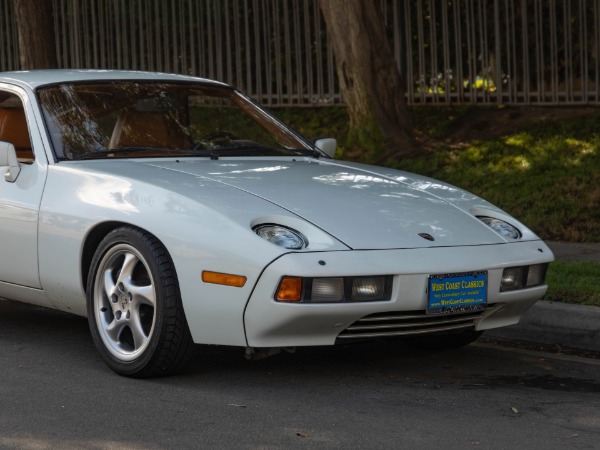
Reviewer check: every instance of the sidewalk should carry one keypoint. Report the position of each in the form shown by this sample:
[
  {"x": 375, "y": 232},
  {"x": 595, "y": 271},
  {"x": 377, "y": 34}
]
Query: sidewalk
[
  {"x": 552, "y": 323},
  {"x": 570, "y": 251}
]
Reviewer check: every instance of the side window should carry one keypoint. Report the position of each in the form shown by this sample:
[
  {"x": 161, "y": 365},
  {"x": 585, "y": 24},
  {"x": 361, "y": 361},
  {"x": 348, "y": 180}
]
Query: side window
[{"x": 13, "y": 126}]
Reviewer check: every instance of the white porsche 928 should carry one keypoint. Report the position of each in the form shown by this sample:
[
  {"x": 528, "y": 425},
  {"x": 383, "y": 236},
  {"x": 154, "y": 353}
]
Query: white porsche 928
[{"x": 174, "y": 211}]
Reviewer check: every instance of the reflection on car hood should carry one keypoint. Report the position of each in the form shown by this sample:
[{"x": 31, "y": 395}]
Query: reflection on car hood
[{"x": 360, "y": 207}]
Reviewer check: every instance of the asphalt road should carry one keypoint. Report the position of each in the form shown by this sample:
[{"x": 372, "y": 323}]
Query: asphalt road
[{"x": 55, "y": 392}]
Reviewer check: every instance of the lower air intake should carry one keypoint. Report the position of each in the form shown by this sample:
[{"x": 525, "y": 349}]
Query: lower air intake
[{"x": 410, "y": 323}]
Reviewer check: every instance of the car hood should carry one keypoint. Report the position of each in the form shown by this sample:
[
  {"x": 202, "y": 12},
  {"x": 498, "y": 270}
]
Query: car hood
[{"x": 364, "y": 207}]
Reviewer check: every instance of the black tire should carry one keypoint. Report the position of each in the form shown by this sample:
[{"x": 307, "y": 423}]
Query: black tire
[
  {"x": 134, "y": 306},
  {"x": 445, "y": 341}
]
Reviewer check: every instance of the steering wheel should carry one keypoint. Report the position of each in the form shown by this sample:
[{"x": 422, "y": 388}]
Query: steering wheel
[
  {"x": 217, "y": 135},
  {"x": 207, "y": 138}
]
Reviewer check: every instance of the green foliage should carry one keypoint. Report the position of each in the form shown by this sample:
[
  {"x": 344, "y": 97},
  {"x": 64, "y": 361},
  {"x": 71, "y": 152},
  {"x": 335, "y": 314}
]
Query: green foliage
[
  {"x": 334, "y": 122},
  {"x": 317, "y": 122},
  {"x": 366, "y": 142},
  {"x": 574, "y": 282}
]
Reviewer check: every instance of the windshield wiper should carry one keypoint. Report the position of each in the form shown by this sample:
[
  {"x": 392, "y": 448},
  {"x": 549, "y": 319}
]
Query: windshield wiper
[
  {"x": 307, "y": 152},
  {"x": 98, "y": 154},
  {"x": 213, "y": 152},
  {"x": 258, "y": 150}
]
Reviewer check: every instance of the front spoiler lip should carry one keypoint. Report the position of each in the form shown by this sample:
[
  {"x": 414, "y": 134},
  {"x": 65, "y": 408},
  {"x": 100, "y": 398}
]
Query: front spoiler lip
[{"x": 273, "y": 324}]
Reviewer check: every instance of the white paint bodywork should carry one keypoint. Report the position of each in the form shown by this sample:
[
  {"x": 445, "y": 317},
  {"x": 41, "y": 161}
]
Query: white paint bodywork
[{"x": 359, "y": 220}]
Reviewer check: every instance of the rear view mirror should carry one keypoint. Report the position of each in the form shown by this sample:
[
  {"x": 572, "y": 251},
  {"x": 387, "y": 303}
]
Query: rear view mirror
[
  {"x": 327, "y": 146},
  {"x": 9, "y": 162}
]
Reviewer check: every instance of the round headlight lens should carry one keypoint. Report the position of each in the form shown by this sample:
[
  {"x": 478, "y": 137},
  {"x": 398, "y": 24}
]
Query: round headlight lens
[
  {"x": 501, "y": 227},
  {"x": 282, "y": 236}
]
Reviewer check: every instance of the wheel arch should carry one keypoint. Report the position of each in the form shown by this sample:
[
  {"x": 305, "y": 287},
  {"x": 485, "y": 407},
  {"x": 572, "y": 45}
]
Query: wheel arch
[
  {"x": 92, "y": 241},
  {"x": 163, "y": 345}
]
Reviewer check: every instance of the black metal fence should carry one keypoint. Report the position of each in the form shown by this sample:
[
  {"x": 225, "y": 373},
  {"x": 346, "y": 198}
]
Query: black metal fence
[{"x": 449, "y": 51}]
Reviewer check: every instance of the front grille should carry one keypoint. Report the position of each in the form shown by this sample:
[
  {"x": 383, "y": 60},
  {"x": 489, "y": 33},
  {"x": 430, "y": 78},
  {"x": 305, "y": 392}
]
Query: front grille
[{"x": 410, "y": 323}]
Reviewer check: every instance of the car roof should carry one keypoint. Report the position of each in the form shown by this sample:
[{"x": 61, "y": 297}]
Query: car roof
[{"x": 36, "y": 78}]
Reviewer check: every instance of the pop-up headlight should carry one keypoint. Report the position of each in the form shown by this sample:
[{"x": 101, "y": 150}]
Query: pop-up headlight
[
  {"x": 282, "y": 236},
  {"x": 501, "y": 227}
]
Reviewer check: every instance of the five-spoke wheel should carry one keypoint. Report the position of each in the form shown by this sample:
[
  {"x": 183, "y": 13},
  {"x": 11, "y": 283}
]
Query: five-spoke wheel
[
  {"x": 124, "y": 302},
  {"x": 134, "y": 306}
]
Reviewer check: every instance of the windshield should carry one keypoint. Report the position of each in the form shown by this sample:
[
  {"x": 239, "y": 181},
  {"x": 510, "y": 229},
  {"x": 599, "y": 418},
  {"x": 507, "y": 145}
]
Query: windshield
[{"x": 140, "y": 119}]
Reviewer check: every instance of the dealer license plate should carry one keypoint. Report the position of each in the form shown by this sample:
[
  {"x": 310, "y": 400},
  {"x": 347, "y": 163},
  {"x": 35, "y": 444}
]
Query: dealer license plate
[{"x": 457, "y": 293}]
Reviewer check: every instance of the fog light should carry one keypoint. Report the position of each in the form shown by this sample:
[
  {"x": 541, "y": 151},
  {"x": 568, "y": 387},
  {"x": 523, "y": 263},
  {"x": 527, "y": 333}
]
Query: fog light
[
  {"x": 512, "y": 278},
  {"x": 536, "y": 274},
  {"x": 368, "y": 289},
  {"x": 327, "y": 290}
]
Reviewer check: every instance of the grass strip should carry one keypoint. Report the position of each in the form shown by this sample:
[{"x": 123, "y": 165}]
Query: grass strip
[{"x": 574, "y": 282}]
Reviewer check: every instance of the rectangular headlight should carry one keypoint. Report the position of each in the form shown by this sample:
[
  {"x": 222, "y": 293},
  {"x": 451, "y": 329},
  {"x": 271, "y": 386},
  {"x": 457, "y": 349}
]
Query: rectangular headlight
[
  {"x": 366, "y": 289},
  {"x": 512, "y": 278},
  {"x": 327, "y": 290},
  {"x": 536, "y": 274}
]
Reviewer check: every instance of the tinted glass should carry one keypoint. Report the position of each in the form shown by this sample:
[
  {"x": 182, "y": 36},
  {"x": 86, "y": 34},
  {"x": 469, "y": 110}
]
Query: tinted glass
[{"x": 140, "y": 119}]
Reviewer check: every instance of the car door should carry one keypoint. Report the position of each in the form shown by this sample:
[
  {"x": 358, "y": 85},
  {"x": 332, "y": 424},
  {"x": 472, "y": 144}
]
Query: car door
[{"x": 20, "y": 199}]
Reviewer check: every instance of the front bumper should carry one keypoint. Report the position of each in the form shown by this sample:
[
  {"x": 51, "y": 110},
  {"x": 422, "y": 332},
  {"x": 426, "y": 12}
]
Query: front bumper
[{"x": 273, "y": 324}]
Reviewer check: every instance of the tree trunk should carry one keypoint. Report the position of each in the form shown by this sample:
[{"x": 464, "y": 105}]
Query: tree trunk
[
  {"x": 369, "y": 79},
  {"x": 37, "y": 43}
]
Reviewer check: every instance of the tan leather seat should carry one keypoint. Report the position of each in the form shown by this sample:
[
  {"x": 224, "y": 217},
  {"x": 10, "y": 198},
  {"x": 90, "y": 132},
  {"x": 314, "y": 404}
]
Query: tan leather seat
[
  {"x": 147, "y": 129},
  {"x": 13, "y": 129}
]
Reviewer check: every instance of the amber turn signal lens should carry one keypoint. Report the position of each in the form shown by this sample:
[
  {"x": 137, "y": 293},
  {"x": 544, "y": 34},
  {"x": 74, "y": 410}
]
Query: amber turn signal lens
[
  {"x": 223, "y": 278},
  {"x": 290, "y": 289}
]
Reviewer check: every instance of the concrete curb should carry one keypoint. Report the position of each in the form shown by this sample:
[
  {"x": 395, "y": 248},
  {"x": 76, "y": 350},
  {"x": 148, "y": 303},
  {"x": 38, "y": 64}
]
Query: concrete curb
[{"x": 551, "y": 323}]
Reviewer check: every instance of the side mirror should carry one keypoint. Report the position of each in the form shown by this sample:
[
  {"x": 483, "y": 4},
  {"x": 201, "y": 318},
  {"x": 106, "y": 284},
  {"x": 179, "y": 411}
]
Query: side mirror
[
  {"x": 327, "y": 146},
  {"x": 9, "y": 162}
]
